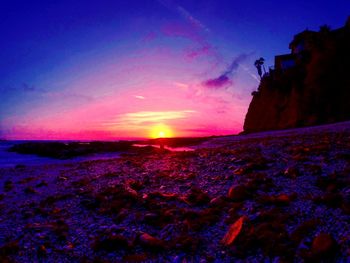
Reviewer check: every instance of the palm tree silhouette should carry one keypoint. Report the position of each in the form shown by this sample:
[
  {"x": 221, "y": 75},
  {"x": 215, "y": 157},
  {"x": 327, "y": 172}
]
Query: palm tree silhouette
[{"x": 259, "y": 64}]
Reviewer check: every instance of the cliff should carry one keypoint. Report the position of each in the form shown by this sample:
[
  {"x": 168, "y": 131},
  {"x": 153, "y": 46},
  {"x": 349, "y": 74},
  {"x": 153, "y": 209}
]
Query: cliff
[{"x": 309, "y": 86}]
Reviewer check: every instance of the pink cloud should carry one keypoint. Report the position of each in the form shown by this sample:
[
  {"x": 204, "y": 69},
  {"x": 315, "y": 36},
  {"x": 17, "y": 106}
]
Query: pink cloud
[{"x": 204, "y": 50}]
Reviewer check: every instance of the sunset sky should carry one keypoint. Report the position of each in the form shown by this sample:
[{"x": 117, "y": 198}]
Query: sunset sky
[{"x": 118, "y": 69}]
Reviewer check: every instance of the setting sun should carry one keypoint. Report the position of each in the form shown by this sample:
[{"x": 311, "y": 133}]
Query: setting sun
[{"x": 161, "y": 131}]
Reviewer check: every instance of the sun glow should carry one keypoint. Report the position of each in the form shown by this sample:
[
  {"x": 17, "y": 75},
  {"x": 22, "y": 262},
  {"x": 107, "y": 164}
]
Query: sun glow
[{"x": 161, "y": 131}]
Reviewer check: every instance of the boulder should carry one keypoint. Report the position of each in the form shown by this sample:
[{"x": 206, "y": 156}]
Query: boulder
[
  {"x": 324, "y": 246},
  {"x": 238, "y": 193}
]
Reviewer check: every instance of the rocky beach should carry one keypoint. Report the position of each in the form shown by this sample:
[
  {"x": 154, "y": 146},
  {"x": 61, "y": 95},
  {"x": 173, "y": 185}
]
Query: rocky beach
[{"x": 267, "y": 197}]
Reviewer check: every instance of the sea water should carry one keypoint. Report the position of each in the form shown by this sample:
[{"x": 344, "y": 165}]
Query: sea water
[{"x": 11, "y": 159}]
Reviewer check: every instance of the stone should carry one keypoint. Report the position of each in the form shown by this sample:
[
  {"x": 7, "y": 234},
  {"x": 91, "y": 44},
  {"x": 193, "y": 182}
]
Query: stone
[
  {"x": 233, "y": 232},
  {"x": 151, "y": 242},
  {"x": 238, "y": 193},
  {"x": 110, "y": 243},
  {"x": 324, "y": 246},
  {"x": 197, "y": 196}
]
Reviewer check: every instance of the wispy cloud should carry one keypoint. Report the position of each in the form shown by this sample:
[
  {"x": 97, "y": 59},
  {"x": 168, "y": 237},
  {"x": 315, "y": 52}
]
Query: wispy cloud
[
  {"x": 140, "y": 118},
  {"x": 191, "y": 19},
  {"x": 200, "y": 47},
  {"x": 181, "y": 85},
  {"x": 154, "y": 116},
  {"x": 139, "y": 97},
  {"x": 190, "y": 28},
  {"x": 185, "y": 14}
]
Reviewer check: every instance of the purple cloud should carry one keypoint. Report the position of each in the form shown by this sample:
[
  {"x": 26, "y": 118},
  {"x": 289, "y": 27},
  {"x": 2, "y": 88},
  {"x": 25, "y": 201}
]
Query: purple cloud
[
  {"x": 201, "y": 46},
  {"x": 221, "y": 81},
  {"x": 206, "y": 49},
  {"x": 225, "y": 79}
]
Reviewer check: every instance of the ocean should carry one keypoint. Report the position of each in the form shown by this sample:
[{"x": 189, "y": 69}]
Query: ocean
[{"x": 11, "y": 159}]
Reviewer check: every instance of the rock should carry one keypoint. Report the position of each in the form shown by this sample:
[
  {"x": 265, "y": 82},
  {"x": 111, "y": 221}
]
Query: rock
[
  {"x": 161, "y": 195},
  {"x": 90, "y": 203},
  {"x": 112, "y": 242},
  {"x": 314, "y": 169},
  {"x": 27, "y": 214},
  {"x": 324, "y": 246},
  {"x": 20, "y": 166},
  {"x": 8, "y": 185},
  {"x": 135, "y": 258},
  {"x": 278, "y": 200},
  {"x": 148, "y": 241},
  {"x": 195, "y": 220},
  {"x": 209, "y": 216},
  {"x": 233, "y": 232},
  {"x": 333, "y": 200},
  {"x": 326, "y": 183},
  {"x": 346, "y": 207},
  {"x": 42, "y": 183},
  {"x": 132, "y": 192},
  {"x": 9, "y": 248},
  {"x": 239, "y": 171},
  {"x": 136, "y": 185},
  {"x": 197, "y": 197},
  {"x": 30, "y": 190},
  {"x": 291, "y": 172},
  {"x": 186, "y": 243},
  {"x": 273, "y": 239},
  {"x": 217, "y": 201},
  {"x": 62, "y": 178},
  {"x": 151, "y": 218},
  {"x": 122, "y": 214},
  {"x": 41, "y": 250},
  {"x": 258, "y": 164},
  {"x": 303, "y": 230},
  {"x": 282, "y": 199},
  {"x": 238, "y": 193}
]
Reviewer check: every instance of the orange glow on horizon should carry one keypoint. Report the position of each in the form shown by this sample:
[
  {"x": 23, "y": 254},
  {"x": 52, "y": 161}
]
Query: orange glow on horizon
[{"x": 161, "y": 131}]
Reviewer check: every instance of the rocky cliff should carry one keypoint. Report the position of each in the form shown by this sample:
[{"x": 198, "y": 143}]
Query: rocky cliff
[{"x": 310, "y": 86}]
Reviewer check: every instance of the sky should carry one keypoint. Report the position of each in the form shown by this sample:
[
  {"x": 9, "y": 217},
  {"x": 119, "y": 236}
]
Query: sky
[{"x": 104, "y": 70}]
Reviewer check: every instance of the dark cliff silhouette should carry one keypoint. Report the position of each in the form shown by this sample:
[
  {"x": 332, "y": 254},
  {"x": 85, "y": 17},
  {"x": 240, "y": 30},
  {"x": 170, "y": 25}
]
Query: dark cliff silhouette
[{"x": 309, "y": 86}]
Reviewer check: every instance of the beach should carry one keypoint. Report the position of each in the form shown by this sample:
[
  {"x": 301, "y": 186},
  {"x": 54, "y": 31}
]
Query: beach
[{"x": 265, "y": 197}]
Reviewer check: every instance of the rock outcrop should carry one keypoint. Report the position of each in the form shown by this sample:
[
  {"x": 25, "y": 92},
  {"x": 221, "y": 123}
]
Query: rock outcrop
[{"x": 310, "y": 86}]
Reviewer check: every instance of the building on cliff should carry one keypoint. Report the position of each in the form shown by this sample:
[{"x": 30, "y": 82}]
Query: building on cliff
[
  {"x": 284, "y": 62},
  {"x": 309, "y": 86}
]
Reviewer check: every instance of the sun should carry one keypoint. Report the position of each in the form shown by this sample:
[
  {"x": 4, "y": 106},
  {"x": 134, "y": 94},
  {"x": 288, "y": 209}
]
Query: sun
[{"x": 161, "y": 131}]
